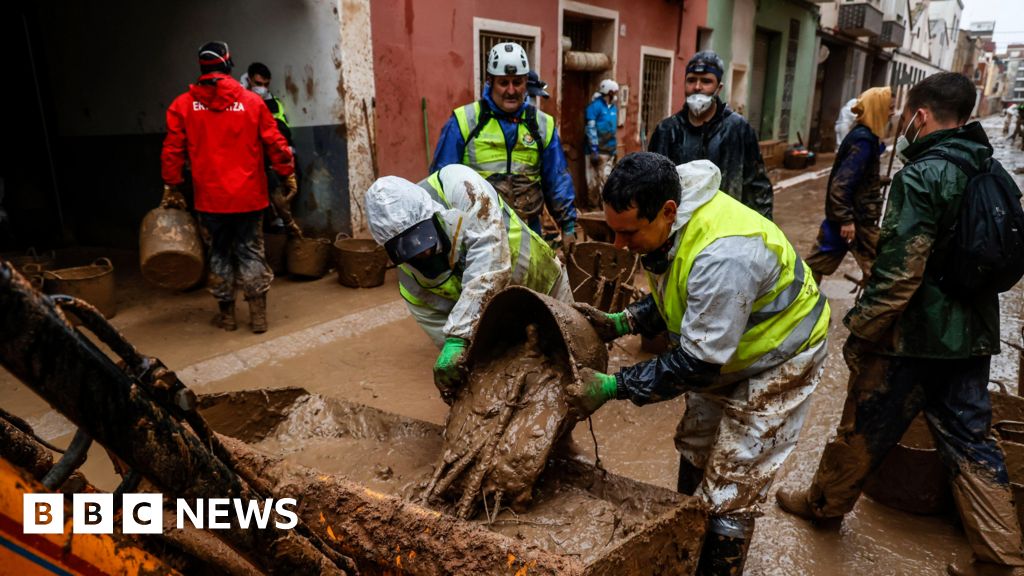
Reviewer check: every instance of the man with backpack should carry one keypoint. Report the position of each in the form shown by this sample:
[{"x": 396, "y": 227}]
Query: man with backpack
[
  {"x": 512, "y": 144},
  {"x": 924, "y": 331}
]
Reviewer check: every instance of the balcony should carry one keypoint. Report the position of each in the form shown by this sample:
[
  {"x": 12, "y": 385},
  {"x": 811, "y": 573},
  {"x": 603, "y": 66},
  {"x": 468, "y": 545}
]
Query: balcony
[
  {"x": 860, "y": 19},
  {"x": 891, "y": 36}
]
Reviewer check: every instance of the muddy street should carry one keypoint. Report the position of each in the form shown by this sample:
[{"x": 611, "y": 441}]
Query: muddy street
[{"x": 362, "y": 346}]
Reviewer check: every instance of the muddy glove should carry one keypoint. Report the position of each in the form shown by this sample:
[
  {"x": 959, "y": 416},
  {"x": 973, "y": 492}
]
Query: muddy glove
[
  {"x": 173, "y": 198},
  {"x": 288, "y": 188},
  {"x": 590, "y": 392},
  {"x": 448, "y": 368},
  {"x": 608, "y": 326},
  {"x": 568, "y": 237}
]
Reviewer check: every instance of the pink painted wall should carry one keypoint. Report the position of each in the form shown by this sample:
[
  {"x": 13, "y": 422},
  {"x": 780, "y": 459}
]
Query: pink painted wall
[{"x": 425, "y": 49}]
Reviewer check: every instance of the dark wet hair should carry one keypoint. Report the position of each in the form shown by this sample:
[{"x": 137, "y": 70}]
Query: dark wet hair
[
  {"x": 948, "y": 95},
  {"x": 645, "y": 180},
  {"x": 259, "y": 68}
]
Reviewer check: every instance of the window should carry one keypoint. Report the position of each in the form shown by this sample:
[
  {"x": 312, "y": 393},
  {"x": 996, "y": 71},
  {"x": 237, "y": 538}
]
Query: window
[
  {"x": 655, "y": 89},
  {"x": 487, "y": 33},
  {"x": 704, "y": 39}
]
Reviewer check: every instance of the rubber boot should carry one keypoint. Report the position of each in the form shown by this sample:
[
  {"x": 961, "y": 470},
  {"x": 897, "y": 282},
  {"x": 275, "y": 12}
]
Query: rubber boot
[
  {"x": 690, "y": 477},
  {"x": 258, "y": 313},
  {"x": 225, "y": 319},
  {"x": 798, "y": 503},
  {"x": 725, "y": 546}
]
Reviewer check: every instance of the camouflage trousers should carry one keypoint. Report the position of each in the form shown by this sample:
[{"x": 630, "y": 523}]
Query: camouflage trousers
[
  {"x": 740, "y": 435},
  {"x": 236, "y": 254}
]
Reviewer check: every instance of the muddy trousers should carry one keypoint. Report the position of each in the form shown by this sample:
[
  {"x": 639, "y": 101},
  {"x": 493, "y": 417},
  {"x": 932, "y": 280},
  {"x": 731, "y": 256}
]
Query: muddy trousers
[
  {"x": 884, "y": 395},
  {"x": 824, "y": 262},
  {"x": 236, "y": 255},
  {"x": 736, "y": 439},
  {"x": 597, "y": 174}
]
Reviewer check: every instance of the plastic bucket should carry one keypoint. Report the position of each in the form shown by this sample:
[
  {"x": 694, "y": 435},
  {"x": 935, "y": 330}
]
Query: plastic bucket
[
  {"x": 308, "y": 257},
  {"x": 361, "y": 262},
  {"x": 93, "y": 283},
  {"x": 170, "y": 249}
]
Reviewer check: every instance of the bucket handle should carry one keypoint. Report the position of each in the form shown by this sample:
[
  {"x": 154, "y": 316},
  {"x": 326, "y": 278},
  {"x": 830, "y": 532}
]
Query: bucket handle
[
  {"x": 341, "y": 236},
  {"x": 32, "y": 269},
  {"x": 103, "y": 262}
]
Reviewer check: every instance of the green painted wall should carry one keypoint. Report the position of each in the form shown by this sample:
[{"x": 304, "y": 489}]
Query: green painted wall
[
  {"x": 774, "y": 15},
  {"x": 720, "y": 14}
]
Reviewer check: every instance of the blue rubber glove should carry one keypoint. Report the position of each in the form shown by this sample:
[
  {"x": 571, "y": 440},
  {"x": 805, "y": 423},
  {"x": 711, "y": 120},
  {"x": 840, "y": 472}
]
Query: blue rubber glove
[
  {"x": 448, "y": 374},
  {"x": 591, "y": 391}
]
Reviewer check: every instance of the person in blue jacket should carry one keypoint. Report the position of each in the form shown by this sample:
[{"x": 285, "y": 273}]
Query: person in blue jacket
[
  {"x": 602, "y": 117},
  {"x": 513, "y": 145}
]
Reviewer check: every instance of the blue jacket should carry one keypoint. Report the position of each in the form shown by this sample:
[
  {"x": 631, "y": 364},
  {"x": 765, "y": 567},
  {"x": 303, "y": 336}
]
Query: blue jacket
[
  {"x": 602, "y": 122},
  {"x": 559, "y": 195}
]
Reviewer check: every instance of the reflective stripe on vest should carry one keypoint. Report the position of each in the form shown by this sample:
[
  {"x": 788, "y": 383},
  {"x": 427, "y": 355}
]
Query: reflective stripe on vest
[
  {"x": 792, "y": 317},
  {"x": 534, "y": 262},
  {"x": 488, "y": 153}
]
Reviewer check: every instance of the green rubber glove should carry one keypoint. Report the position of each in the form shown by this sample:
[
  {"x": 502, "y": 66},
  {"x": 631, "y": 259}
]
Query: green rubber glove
[
  {"x": 608, "y": 326},
  {"x": 448, "y": 368},
  {"x": 591, "y": 391}
]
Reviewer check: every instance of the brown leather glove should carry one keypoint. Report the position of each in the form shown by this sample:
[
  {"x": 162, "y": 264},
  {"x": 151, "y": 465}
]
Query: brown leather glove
[{"x": 173, "y": 198}]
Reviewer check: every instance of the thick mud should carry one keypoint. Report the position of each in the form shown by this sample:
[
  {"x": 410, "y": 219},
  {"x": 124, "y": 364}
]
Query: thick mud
[
  {"x": 602, "y": 275},
  {"x": 576, "y": 510}
]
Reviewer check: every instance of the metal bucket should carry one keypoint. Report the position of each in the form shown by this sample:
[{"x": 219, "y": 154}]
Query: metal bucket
[
  {"x": 93, "y": 283},
  {"x": 170, "y": 249},
  {"x": 308, "y": 257},
  {"x": 602, "y": 275},
  {"x": 275, "y": 249},
  {"x": 361, "y": 263},
  {"x": 912, "y": 478}
]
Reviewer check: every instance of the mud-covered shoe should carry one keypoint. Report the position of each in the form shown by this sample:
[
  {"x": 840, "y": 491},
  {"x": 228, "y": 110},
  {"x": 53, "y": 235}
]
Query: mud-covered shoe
[
  {"x": 797, "y": 503},
  {"x": 983, "y": 569},
  {"x": 225, "y": 318},
  {"x": 258, "y": 314}
]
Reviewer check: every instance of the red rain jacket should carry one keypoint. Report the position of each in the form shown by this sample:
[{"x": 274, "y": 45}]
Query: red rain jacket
[{"x": 225, "y": 130}]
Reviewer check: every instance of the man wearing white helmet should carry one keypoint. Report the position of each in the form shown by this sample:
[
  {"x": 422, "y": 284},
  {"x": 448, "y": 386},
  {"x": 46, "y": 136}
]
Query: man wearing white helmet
[
  {"x": 456, "y": 243},
  {"x": 602, "y": 121},
  {"x": 512, "y": 144}
]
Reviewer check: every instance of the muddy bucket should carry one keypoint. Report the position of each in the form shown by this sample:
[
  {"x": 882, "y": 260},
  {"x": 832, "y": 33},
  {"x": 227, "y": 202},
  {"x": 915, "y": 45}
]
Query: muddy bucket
[
  {"x": 595, "y": 226},
  {"x": 602, "y": 275},
  {"x": 361, "y": 263},
  {"x": 357, "y": 471},
  {"x": 170, "y": 249},
  {"x": 912, "y": 478},
  {"x": 93, "y": 283},
  {"x": 308, "y": 257},
  {"x": 31, "y": 264},
  {"x": 275, "y": 248}
]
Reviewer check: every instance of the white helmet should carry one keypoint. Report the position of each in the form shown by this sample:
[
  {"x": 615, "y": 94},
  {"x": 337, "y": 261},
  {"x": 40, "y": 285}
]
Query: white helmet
[
  {"x": 607, "y": 86},
  {"x": 507, "y": 59},
  {"x": 400, "y": 215}
]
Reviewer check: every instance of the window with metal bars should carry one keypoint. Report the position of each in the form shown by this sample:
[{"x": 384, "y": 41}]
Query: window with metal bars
[
  {"x": 654, "y": 104},
  {"x": 489, "y": 39}
]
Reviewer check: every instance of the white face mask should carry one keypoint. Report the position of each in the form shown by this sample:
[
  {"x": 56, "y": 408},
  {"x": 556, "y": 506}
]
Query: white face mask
[
  {"x": 699, "y": 103},
  {"x": 902, "y": 143},
  {"x": 262, "y": 92}
]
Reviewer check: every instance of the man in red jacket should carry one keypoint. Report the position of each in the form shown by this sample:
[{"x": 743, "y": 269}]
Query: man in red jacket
[{"x": 225, "y": 130}]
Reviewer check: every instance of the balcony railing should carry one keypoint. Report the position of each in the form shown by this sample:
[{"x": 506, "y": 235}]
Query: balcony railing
[{"x": 860, "y": 19}]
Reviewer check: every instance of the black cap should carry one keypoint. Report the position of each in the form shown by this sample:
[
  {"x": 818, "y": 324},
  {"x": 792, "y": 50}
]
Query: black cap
[
  {"x": 706, "y": 61},
  {"x": 419, "y": 238},
  {"x": 535, "y": 86}
]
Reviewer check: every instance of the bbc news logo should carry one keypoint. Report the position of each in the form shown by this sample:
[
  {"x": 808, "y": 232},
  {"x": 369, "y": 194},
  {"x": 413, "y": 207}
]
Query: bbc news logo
[{"x": 143, "y": 513}]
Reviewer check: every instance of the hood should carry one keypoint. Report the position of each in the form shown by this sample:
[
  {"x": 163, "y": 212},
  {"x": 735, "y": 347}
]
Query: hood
[
  {"x": 216, "y": 90},
  {"x": 393, "y": 205},
  {"x": 700, "y": 181},
  {"x": 969, "y": 141},
  {"x": 872, "y": 109}
]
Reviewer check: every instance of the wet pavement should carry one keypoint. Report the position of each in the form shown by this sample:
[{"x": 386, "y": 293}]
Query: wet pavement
[{"x": 362, "y": 346}]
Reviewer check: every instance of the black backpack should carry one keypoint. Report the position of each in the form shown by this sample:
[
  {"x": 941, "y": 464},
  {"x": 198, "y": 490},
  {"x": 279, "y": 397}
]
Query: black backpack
[{"x": 986, "y": 244}]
